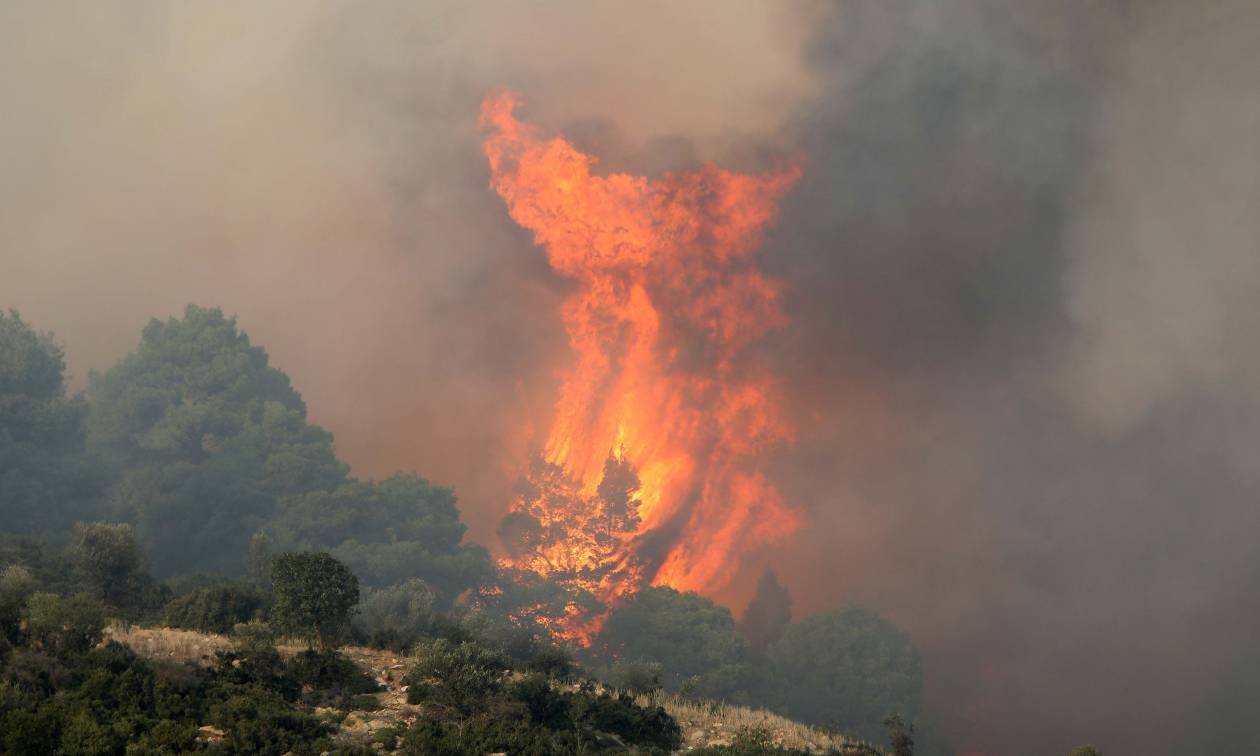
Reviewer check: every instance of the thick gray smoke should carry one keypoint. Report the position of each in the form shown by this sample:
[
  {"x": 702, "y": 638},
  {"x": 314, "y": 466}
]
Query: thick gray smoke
[{"x": 1020, "y": 268}]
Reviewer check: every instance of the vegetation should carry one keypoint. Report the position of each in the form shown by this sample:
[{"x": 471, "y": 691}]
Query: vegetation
[
  {"x": 847, "y": 667},
  {"x": 694, "y": 640},
  {"x": 314, "y": 597},
  {"x": 187, "y": 488}
]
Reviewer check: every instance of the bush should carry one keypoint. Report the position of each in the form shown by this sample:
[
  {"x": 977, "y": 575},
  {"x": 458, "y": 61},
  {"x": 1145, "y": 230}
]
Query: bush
[
  {"x": 64, "y": 626},
  {"x": 216, "y": 608},
  {"x": 314, "y": 596},
  {"x": 688, "y": 635},
  {"x": 399, "y": 617},
  {"x": 329, "y": 671},
  {"x": 847, "y": 667},
  {"x": 16, "y": 586},
  {"x": 637, "y": 677},
  {"x": 458, "y": 675},
  {"x": 259, "y": 721}
]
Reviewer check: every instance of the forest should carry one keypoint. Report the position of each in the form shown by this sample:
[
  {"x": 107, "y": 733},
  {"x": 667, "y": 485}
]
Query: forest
[{"x": 185, "y": 488}]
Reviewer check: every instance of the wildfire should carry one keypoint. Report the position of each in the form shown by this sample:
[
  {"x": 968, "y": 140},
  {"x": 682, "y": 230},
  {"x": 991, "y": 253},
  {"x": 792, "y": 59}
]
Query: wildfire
[{"x": 651, "y": 470}]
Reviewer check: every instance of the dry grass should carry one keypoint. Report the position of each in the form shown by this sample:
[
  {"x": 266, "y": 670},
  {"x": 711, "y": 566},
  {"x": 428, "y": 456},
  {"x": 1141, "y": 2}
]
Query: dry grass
[
  {"x": 706, "y": 723},
  {"x": 166, "y": 642}
]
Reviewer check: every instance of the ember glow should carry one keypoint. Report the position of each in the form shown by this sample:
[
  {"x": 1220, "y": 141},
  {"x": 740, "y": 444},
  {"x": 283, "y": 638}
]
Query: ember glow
[{"x": 651, "y": 471}]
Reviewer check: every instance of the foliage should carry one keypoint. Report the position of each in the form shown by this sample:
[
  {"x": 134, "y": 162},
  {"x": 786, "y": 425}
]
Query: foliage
[
  {"x": 314, "y": 596},
  {"x": 458, "y": 675},
  {"x": 216, "y": 608},
  {"x": 64, "y": 626},
  {"x": 46, "y": 481},
  {"x": 109, "y": 560},
  {"x": 1085, "y": 750},
  {"x": 331, "y": 672},
  {"x": 900, "y": 735},
  {"x": 472, "y": 708},
  {"x": 16, "y": 586},
  {"x": 690, "y": 636},
  {"x": 398, "y": 617},
  {"x": 637, "y": 677},
  {"x": 387, "y": 531},
  {"x": 768, "y": 614},
  {"x": 209, "y": 437},
  {"x": 849, "y": 667}
]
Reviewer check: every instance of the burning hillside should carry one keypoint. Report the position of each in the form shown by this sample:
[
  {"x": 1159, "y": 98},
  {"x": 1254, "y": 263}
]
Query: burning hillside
[{"x": 651, "y": 470}]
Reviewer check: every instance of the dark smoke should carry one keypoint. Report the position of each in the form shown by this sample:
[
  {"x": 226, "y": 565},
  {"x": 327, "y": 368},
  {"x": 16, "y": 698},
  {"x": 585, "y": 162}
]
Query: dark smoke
[
  {"x": 1021, "y": 267},
  {"x": 1021, "y": 272}
]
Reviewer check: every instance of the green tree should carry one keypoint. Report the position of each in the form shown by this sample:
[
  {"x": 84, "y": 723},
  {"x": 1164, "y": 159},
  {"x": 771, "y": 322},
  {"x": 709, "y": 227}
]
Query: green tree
[
  {"x": 46, "y": 482},
  {"x": 768, "y": 613},
  {"x": 209, "y": 437},
  {"x": 693, "y": 639},
  {"x": 388, "y": 531},
  {"x": 847, "y": 667},
  {"x": 64, "y": 626},
  {"x": 16, "y": 586},
  {"x": 397, "y": 617},
  {"x": 314, "y": 596},
  {"x": 111, "y": 563}
]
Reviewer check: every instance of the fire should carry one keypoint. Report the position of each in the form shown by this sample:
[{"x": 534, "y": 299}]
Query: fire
[{"x": 651, "y": 469}]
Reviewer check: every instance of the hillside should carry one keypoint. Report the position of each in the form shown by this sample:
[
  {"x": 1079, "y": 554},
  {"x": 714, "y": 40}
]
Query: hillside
[{"x": 378, "y": 719}]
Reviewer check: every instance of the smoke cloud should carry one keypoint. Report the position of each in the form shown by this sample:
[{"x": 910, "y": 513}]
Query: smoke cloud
[{"x": 1020, "y": 270}]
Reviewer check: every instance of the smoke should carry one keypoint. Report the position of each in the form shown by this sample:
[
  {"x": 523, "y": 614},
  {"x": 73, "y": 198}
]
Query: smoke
[
  {"x": 1023, "y": 264},
  {"x": 315, "y": 169},
  {"x": 1020, "y": 271}
]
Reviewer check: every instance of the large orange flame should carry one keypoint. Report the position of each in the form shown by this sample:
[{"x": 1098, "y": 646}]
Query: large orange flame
[{"x": 651, "y": 470}]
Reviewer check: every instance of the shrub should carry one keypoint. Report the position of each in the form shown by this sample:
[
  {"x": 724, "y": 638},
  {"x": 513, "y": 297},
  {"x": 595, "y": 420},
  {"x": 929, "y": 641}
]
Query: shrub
[
  {"x": 552, "y": 662},
  {"x": 64, "y": 626},
  {"x": 637, "y": 677},
  {"x": 336, "y": 676},
  {"x": 16, "y": 586},
  {"x": 900, "y": 735},
  {"x": 689, "y": 635},
  {"x": 260, "y": 721},
  {"x": 113, "y": 567},
  {"x": 399, "y": 617},
  {"x": 850, "y": 667},
  {"x": 459, "y": 675},
  {"x": 216, "y": 608},
  {"x": 314, "y": 596},
  {"x": 620, "y": 715}
]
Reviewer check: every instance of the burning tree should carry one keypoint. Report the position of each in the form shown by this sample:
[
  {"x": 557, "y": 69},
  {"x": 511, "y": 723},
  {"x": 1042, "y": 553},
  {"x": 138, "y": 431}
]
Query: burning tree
[{"x": 651, "y": 469}]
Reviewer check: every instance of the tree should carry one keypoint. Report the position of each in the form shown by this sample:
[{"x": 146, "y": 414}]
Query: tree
[
  {"x": 209, "y": 437},
  {"x": 693, "y": 639},
  {"x": 46, "y": 482},
  {"x": 16, "y": 586},
  {"x": 314, "y": 596},
  {"x": 64, "y": 626},
  {"x": 900, "y": 735},
  {"x": 110, "y": 561},
  {"x": 388, "y": 531},
  {"x": 847, "y": 667},
  {"x": 768, "y": 613}
]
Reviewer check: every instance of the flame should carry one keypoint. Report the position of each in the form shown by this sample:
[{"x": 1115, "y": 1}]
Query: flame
[{"x": 650, "y": 471}]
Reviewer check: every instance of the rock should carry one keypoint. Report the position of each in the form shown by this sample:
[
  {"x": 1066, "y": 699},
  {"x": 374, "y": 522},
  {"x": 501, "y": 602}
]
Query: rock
[{"x": 210, "y": 733}]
